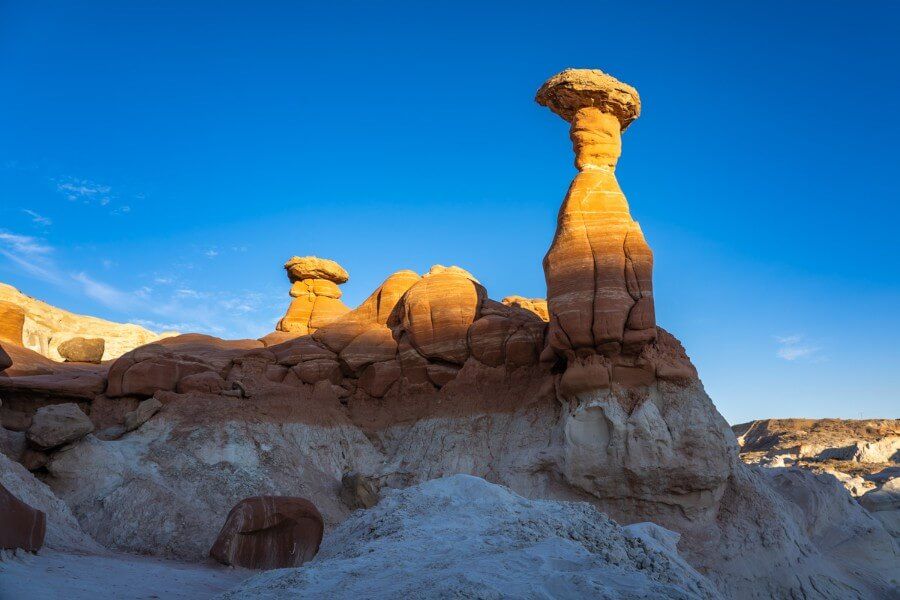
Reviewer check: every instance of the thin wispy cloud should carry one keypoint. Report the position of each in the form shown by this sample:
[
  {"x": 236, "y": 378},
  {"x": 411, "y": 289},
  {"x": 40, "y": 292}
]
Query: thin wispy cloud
[
  {"x": 24, "y": 244},
  {"x": 37, "y": 218},
  {"x": 173, "y": 306},
  {"x": 189, "y": 293},
  {"x": 92, "y": 193},
  {"x": 796, "y": 348},
  {"x": 105, "y": 293},
  {"x": 29, "y": 254},
  {"x": 211, "y": 253},
  {"x": 82, "y": 189}
]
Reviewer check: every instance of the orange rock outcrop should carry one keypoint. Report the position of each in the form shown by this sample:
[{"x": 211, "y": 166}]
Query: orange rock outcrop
[
  {"x": 599, "y": 267},
  {"x": 12, "y": 322},
  {"x": 316, "y": 296}
]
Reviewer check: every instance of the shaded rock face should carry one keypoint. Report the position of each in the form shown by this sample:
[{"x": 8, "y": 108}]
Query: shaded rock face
[
  {"x": 358, "y": 491},
  {"x": 269, "y": 532},
  {"x": 5, "y": 359},
  {"x": 58, "y": 424},
  {"x": 599, "y": 267},
  {"x": 316, "y": 297},
  {"x": 20, "y": 525},
  {"x": 79, "y": 349}
]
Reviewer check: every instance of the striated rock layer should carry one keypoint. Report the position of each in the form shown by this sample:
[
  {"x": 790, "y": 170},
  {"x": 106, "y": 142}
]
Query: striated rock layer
[{"x": 599, "y": 267}]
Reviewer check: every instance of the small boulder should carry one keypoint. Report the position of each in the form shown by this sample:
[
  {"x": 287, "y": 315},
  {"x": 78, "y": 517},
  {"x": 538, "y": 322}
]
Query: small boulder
[
  {"x": 58, "y": 424},
  {"x": 81, "y": 349},
  {"x": 269, "y": 532},
  {"x": 207, "y": 382},
  {"x": 359, "y": 491},
  {"x": 21, "y": 527},
  {"x": 142, "y": 413}
]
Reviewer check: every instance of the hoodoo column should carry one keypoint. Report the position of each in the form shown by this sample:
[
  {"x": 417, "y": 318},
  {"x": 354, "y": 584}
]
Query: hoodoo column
[{"x": 599, "y": 267}]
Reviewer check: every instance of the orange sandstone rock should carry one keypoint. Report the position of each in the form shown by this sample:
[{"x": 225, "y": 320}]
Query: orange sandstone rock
[
  {"x": 536, "y": 305},
  {"x": 316, "y": 296},
  {"x": 599, "y": 267},
  {"x": 313, "y": 267},
  {"x": 437, "y": 311},
  {"x": 378, "y": 306},
  {"x": 12, "y": 322}
]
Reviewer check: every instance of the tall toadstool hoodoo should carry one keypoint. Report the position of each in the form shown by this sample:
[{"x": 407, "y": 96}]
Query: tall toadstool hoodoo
[{"x": 599, "y": 267}]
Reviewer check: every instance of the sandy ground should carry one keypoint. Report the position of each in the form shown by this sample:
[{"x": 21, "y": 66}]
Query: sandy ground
[{"x": 55, "y": 576}]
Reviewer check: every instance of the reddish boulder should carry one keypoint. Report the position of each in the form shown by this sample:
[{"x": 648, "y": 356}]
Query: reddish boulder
[
  {"x": 151, "y": 368},
  {"x": 269, "y": 532},
  {"x": 375, "y": 344},
  {"x": 207, "y": 382},
  {"x": 20, "y": 525},
  {"x": 378, "y": 378},
  {"x": 320, "y": 369}
]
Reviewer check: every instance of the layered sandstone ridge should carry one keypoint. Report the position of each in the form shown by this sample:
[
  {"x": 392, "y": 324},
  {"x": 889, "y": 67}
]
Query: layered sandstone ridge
[
  {"x": 599, "y": 267},
  {"x": 43, "y": 328}
]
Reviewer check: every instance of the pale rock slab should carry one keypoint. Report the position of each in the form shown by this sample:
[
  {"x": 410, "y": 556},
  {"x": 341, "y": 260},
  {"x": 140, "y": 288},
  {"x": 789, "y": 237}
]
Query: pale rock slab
[{"x": 58, "y": 424}]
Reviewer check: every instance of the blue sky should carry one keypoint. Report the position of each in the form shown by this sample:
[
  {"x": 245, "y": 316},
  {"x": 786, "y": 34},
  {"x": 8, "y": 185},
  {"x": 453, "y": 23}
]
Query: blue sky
[{"x": 159, "y": 162}]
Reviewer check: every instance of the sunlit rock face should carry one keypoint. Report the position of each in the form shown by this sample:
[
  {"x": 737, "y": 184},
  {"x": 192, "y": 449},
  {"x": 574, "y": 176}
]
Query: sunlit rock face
[
  {"x": 42, "y": 328},
  {"x": 12, "y": 322},
  {"x": 599, "y": 267},
  {"x": 316, "y": 296}
]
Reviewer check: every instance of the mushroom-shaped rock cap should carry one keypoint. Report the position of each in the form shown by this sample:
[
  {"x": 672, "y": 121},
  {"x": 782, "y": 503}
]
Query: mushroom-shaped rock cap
[
  {"x": 566, "y": 92},
  {"x": 313, "y": 267}
]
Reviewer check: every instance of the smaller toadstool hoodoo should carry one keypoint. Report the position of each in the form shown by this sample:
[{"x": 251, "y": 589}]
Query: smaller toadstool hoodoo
[{"x": 316, "y": 296}]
